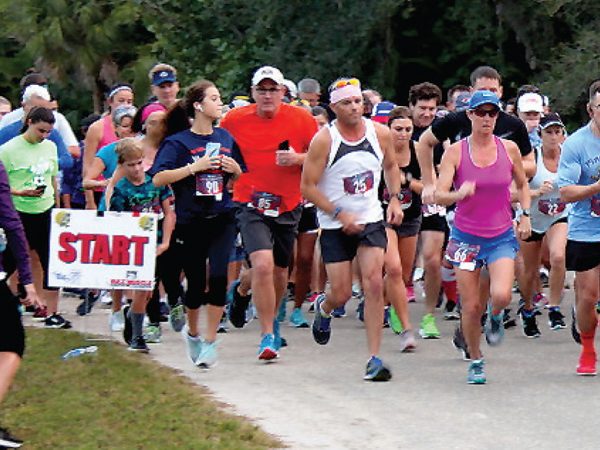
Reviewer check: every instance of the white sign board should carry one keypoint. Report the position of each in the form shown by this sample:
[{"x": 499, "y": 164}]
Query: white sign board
[{"x": 116, "y": 250}]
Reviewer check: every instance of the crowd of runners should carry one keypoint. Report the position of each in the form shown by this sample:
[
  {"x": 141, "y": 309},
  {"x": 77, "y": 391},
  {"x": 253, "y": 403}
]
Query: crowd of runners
[{"x": 295, "y": 200}]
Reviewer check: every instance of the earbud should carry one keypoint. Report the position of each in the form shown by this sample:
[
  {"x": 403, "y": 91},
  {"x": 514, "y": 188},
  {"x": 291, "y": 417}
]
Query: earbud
[{"x": 198, "y": 107}]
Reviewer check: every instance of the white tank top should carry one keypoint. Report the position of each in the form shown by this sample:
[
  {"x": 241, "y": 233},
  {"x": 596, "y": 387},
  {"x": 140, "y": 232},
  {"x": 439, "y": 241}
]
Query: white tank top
[
  {"x": 546, "y": 209},
  {"x": 351, "y": 178}
]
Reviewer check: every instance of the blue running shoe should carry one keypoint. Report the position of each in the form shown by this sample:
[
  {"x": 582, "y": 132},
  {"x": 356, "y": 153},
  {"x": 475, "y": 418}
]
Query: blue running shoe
[
  {"x": 476, "y": 375},
  {"x": 266, "y": 350},
  {"x": 339, "y": 312},
  {"x": 321, "y": 327},
  {"x": 376, "y": 371},
  {"x": 297, "y": 319},
  {"x": 494, "y": 327},
  {"x": 282, "y": 311},
  {"x": 277, "y": 339}
]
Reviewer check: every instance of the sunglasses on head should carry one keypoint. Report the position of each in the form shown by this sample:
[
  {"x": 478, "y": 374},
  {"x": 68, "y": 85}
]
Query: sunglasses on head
[
  {"x": 480, "y": 112},
  {"x": 343, "y": 83}
]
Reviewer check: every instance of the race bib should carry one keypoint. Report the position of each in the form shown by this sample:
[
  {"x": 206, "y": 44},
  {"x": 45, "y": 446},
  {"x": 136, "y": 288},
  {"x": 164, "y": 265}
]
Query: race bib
[
  {"x": 430, "y": 210},
  {"x": 209, "y": 184},
  {"x": 464, "y": 255},
  {"x": 405, "y": 198},
  {"x": 595, "y": 206},
  {"x": 151, "y": 206},
  {"x": 266, "y": 203},
  {"x": 359, "y": 184},
  {"x": 551, "y": 206}
]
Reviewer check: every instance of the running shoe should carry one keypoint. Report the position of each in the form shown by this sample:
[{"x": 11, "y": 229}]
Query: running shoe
[
  {"x": 208, "y": 356},
  {"x": 386, "y": 317},
  {"x": 574, "y": 328},
  {"x": 153, "y": 333},
  {"x": 277, "y": 339},
  {"x": 418, "y": 274},
  {"x": 587, "y": 364},
  {"x": 177, "y": 317},
  {"x": 556, "y": 320},
  {"x": 128, "y": 326},
  {"x": 40, "y": 314},
  {"x": 266, "y": 349},
  {"x": 529, "y": 322},
  {"x": 321, "y": 327},
  {"x": 282, "y": 310},
  {"x": 544, "y": 277},
  {"x": 395, "y": 322},
  {"x": 339, "y": 312},
  {"x": 540, "y": 301},
  {"x": 85, "y": 307},
  {"x": 376, "y": 371},
  {"x": 313, "y": 296},
  {"x": 57, "y": 321},
  {"x": 297, "y": 319},
  {"x": 428, "y": 329},
  {"x": 356, "y": 290},
  {"x": 450, "y": 312},
  {"x": 7, "y": 440},
  {"x": 476, "y": 375},
  {"x": 407, "y": 341},
  {"x": 239, "y": 304},
  {"x": 494, "y": 328},
  {"x": 410, "y": 294},
  {"x": 360, "y": 310},
  {"x": 508, "y": 321},
  {"x": 193, "y": 345},
  {"x": 105, "y": 298},
  {"x": 116, "y": 322},
  {"x": 223, "y": 328},
  {"x": 459, "y": 343},
  {"x": 139, "y": 345}
]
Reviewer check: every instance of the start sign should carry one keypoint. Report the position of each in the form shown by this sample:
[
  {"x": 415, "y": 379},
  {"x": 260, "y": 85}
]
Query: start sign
[{"x": 116, "y": 250}]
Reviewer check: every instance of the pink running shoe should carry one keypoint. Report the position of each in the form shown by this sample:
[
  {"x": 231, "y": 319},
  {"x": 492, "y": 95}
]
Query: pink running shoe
[{"x": 410, "y": 294}]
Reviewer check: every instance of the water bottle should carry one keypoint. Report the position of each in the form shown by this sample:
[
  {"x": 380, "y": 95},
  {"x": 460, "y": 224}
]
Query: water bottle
[
  {"x": 79, "y": 351},
  {"x": 2, "y": 240}
]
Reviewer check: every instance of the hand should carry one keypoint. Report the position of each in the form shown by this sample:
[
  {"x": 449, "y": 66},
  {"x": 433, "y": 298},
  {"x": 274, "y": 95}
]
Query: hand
[
  {"x": 428, "y": 194},
  {"x": 546, "y": 187},
  {"x": 394, "y": 212},
  {"x": 466, "y": 189},
  {"x": 30, "y": 192},
  {"x": 286, "y": 157},
  {"x": 349, "y": 225},
  {"x": 31, "y": 297},
  {"x": 230, "y": 165},
  {"x": 524, "y": 227},
  {"x": 206, "y": 163},
  {"x": 161, "y": 248}
]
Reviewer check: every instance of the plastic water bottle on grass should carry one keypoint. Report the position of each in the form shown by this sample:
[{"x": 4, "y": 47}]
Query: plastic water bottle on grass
[{"x": 79, "y": 351}]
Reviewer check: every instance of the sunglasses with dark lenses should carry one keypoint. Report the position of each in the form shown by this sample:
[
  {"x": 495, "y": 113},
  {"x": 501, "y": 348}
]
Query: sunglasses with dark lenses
[{"x": 479, "y": 112}]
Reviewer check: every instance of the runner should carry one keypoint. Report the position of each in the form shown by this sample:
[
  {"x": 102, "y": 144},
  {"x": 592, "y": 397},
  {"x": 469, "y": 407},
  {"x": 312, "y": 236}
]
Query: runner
[
  {"x": 579, "y": 182},
  {"x": 31, "y": 162},
  {"x": 12, "y": 334},
  {"x": 341, "y": 175},
  {"x": 5, "y": 107},
  {"x": 273, "y": 138},
  {"x": 548, "y": 224},
  {"x": 198, "y": 163},
  {"x": 164, "y": 84},
  {"x": 482, "y": 168}
]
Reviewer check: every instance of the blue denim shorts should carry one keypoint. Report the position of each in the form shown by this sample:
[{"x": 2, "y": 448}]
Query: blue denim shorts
[{"x": 467, "y": 251}]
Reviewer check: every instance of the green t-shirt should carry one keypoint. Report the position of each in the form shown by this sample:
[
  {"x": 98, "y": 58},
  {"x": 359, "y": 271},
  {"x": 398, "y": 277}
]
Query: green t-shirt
[{"x": 29, "y": 166}]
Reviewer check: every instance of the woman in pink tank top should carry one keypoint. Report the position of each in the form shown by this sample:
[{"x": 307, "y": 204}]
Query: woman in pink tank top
[{"x": 482, "y": 167}]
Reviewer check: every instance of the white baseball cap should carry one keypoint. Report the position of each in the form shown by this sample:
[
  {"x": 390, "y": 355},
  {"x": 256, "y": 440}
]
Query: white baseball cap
[
  {"x": 267, "y": 73},
  {"x": 531, "y": 102},
  {"x": 35, "y": 90}
]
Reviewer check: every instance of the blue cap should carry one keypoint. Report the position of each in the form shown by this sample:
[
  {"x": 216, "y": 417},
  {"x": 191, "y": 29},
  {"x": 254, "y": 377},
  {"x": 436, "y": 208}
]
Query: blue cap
[
  {"x": 462, "y": 101},
  {"x": 163, "y": 76},
  {"x": 483, "y": 98}
]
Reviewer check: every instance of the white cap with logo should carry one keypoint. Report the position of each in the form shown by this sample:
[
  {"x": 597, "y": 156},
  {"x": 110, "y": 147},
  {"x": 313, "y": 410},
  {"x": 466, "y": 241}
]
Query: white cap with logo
[
  {"x": 530, "y": 102},
  {"x": 267, "y": 73}
]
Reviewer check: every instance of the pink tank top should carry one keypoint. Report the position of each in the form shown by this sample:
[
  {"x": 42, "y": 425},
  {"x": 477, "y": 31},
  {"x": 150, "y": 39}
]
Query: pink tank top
[
  {"x": 108, "y": 132},
  {"x": 487, "y": 213}
]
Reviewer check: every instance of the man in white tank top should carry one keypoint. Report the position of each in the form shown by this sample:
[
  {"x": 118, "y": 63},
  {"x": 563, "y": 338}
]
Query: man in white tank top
[{"x": 340, "y": 176}]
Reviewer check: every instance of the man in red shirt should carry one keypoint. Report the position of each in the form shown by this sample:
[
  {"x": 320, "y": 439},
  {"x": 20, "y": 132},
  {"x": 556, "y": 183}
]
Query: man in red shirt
[{"x": 273, "y": 138}]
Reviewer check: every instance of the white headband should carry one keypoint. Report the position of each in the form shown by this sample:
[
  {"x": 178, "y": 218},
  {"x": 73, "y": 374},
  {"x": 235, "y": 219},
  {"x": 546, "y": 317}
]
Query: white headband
[
  {"x": 344, "y": 92},
  {"x": 118, "y": 89}
]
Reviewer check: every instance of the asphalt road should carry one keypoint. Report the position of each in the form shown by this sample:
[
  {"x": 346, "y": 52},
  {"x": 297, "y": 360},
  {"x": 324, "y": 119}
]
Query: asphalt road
[{"x": 314, "y": 397}]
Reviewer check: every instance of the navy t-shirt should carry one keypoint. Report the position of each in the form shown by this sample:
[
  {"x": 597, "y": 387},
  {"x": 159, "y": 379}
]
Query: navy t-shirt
[{"x": 193, "y": 197}]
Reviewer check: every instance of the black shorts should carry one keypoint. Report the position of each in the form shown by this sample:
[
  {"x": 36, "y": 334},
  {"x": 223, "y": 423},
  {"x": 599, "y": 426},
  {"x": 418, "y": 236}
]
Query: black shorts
[
  {"x": 435, "y": 222},
  {"x": 337, "y": 246},
  {"x": 536, "y": 237},
  {"x": 308, "y": 220},
  {"x": 407, "y": 228},
  {"x": 260, "y": 232},
  {"x": 12, "y": 334},
  {"x": 582, "y": 256}
]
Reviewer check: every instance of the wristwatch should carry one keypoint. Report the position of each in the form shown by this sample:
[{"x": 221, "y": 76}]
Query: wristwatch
[
  {"x": 336, "y": 212},
  {"x": 525, "y": 212}
]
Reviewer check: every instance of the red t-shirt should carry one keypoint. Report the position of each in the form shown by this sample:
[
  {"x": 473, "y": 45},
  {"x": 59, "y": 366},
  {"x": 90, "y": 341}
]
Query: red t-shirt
[{"x": 259, "y": 139}]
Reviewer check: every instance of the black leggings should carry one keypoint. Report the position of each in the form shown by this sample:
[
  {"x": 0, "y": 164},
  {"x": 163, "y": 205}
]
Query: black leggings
[
  {"x": 191, "y": 245},
  {"x": 12, "y": 335},
  {"x": 172, "y": 286}
]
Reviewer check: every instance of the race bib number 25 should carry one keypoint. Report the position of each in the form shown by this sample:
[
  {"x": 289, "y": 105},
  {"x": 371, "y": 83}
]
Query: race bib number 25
[{"x": 359, "y": 184}]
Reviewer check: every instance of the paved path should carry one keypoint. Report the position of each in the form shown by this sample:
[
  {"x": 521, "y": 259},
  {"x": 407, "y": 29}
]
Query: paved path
[{"x": 314, "y": 397}]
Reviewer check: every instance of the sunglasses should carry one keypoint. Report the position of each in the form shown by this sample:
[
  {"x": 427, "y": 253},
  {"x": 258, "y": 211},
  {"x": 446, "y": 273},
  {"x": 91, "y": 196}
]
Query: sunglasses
[
  {"x": 343, "y": 83},
  {"x": 483, "y": 112},
  {"x": 264, "y": 91}
]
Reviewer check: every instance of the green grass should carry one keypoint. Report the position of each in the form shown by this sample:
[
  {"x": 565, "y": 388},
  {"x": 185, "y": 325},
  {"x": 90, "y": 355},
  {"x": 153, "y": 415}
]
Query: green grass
[{"x": 114, "y": 400}]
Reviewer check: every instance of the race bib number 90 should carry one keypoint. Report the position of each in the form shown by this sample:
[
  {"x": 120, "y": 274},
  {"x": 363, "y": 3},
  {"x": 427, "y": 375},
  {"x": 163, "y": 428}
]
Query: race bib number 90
[
  {"x": 359, "y": 184},
  {"x": 463, "y": 254},
  {"x": 551, "y": 206},
  {"x": 209, "y": 184}
]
